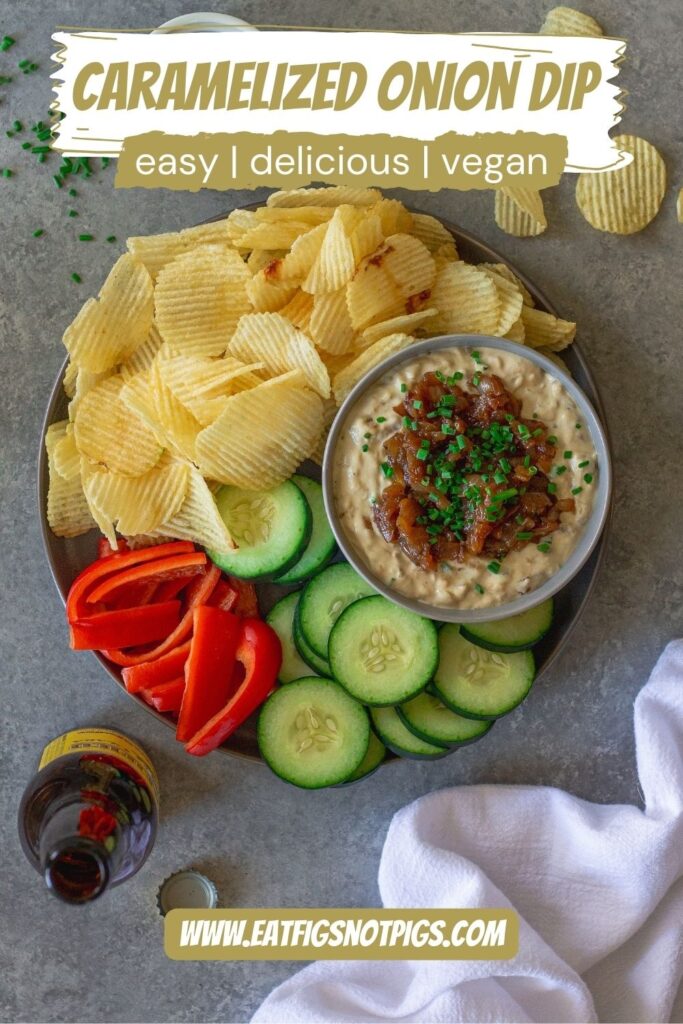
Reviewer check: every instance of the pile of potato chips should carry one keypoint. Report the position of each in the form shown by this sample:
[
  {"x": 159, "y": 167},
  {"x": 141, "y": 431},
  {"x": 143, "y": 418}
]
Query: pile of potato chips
[{"x": 219, "y": 354}]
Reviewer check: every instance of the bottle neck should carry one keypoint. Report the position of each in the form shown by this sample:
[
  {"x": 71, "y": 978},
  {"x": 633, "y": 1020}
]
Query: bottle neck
[{"x": 78, "y": 851}]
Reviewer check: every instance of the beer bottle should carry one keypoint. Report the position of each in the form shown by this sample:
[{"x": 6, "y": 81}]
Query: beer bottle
[{"x": 88, "y": 818}]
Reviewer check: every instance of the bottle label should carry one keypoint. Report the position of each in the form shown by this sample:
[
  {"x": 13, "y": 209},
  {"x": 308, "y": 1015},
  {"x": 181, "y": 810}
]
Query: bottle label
[{"x": 106, "y": 744}]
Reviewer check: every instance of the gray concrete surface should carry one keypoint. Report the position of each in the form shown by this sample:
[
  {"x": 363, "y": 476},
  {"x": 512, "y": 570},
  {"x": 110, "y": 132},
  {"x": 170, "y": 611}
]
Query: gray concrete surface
[{"x": 264, "y": 843}]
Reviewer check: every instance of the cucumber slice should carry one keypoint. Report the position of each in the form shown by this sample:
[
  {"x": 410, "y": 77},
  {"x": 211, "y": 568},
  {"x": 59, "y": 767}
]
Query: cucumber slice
[
  {"x": 319, "y": 665},
  {"x": 400, "y": 739},
  {"x": 517, "y": 633},
  {"x": 323, "y": 600},
  {"x": 281, "y": 619},
  {"x": 382, "y": 654},
  {"x": 272, "y": 529},
  {"x": 477, "y": 683},
  {"x": 431, "y": 720},
  {"x": 370, "y": 763},
  {"x": 312, "y": 734},
  {"x": 322, "y": 544}
]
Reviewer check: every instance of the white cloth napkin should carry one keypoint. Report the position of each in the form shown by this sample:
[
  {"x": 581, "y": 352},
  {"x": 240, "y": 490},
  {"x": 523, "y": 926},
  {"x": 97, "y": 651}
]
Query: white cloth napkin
[{"x": 599, "y": 892}]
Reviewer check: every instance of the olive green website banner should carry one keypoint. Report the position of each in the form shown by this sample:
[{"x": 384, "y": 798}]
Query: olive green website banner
[{"x": 335, "y": 933}]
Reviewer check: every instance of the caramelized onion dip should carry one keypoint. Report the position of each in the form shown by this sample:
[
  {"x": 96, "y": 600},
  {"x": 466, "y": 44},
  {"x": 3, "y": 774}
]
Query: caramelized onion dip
[{"x": 464, "y": 478}]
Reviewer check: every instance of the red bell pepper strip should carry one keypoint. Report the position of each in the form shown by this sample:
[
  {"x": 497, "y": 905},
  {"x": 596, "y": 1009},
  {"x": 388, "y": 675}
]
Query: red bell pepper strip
[
  {"x": 151, "y": 673},
  {"x": 198, "y": 593},
  {"x": 128, "y": 627},
  {"x": 247, "y": 603},
  {"x": 224, "y": 596},
  {"x": 104, "y": 548},
  {"x": 144, "y": 592},
  {"x": 166, "y": 696},
  {"x": 261, "y": 654},
  {"x": 75, "y": 602},
  {"x": 158, "y": 570},
  {"x": 215, "y": 636},
  {"x": 169, "y": 589}
]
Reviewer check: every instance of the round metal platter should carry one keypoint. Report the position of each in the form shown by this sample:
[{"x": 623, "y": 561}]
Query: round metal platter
[{"x": 67, "y": 557}]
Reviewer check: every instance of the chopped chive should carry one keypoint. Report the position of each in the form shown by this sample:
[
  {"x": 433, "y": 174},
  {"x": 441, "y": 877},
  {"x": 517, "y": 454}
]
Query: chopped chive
[
  {"x": 500, "y": 478},
  {"x": 57, "y": 178},
  {"x": 552, "y": 488},
  {"x": 588, "y": 478},
  {"x": 476, "y": 380},
  {"x": 568, "y": 455},
  {"x": 387, "y": 470},
  {"x": 461, "y": 441},
  {"x": 367, "y": 434},
  {"x": 77, "y": 278},
  {"x": 422, "y": 454},
  {"x": 10, "y": 135},
  {"x": 585, "y": 462},
  {"x": 519, "y": 520},
  {"x": 86, "y": 238},
  {"x": 73, "y": 192},
  {"x": 578, "y": 426},
  {"x": 417, "y": 404},
  {"x": 577, "y": 490},
  {"x": 527, "y": 461},
  {"x": 41, "y": 158},
  {"x": 505, "y": 466},
  {"x": 381, "y": 419},
  {"x": 38, "y": 232},
  {"x": 543, "y": 548},
  {"x": 552, "y": 439},
  {"x": 73, "y": 213},
  {"x": 105, "y": 162},
  {"x": 7, "y": 173},
  {"x": 17, "y": 126},
  {"x": 364, "y": 448},
  {"x": 6, "y": 42},
  {"x": 404, "y": 388},
  {"x": 40, "y": 149},
  {"x": 23, "y": 64},
  {"x": 524, "y": 535},
  {"x": 494, "y": 567},
  {"x": 559, "y": 470},
  {"x": 478, "y": 587}
]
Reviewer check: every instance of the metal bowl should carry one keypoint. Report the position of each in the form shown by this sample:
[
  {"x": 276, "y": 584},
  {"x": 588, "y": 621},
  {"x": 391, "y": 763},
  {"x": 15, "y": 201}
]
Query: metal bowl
[
  {"x": 66, "y": 557},
  {"x": 587, "y": 540}
]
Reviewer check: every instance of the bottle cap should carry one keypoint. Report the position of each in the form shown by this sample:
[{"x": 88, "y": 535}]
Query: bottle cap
[{"x": 186, "y": 890}]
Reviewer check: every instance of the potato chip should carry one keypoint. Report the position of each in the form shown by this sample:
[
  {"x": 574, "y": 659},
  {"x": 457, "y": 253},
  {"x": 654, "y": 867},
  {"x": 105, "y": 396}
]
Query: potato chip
[
  {"x": 504, "y": 271},
  {"x": 407, "y": 323},
  {"x": 411, "y": 266},
  {"x": 679, "y": 206},
  {"x": 369, "y": 358},
  {"x": 393, "y": 216},
  {"x": 431, "y": 232},
  {"x": 297, "y": 264},
  {"x": 334, "y": 195},
  {"x": 626, "y": 199},
  {"x": 67, "y": 509},
  {"x": 146, "y": 540},
  {"x": 330, "y": 324},
  {"x": 373, "y": 295},
  {"x": 198, "y": 518},
  {"x": 467, "y": 300},
  {"x": 543, "y": 330},
  {"x": 139, "y": 504},
  {"x": 190, "y": 378},
  {"x": 310, "y": 215},
  {"x": 557, "y": 360},
  {"x": 329, "y": 412},
  {"x": 108, "y": 433},
  {"x": 334, "y": 265},
  {"x": 179, "y": 426},
  {"x": 511, "y": 301},
  {"x": 206, "y": 410},
  {"x": 366, "y": 237},
  {"x": 66, "y": 457},
  {"x": 143, "y": 357},
  {"x": 136, "y": 395},
  {"x": 260, "y": 258},
  {"x": 70, "y": 378},
  {"x": 199, "y": 298},
  {"x": 240, "y": 221},
  {"x": 280, "y": 235},
  {"x": 517, "y": 332},
  {"x": 298, "y": 310},
  {"x": 85, "y": 381},
  {"x": 519, "y": 211},
  {"x": 273, "y": 340},
  {"x": 266, "y": 293},
  {"x": 155, "y": 251},
  {"x": 263, "y": 434},
  {"x": 565, "y": 21},
  {"x": 108, "y": 329}
]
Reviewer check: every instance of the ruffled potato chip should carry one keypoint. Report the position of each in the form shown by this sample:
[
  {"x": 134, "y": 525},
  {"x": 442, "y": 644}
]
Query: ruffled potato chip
[
  {"x": 366, "y": 237},
  {"x": 517, "y": 332},
  {"x": 155, "y": 251},
  {"x": 271, "y": 339},
  {"x": 504, "y": 271},
  {"x": 565, "y": 21},
  {"x": 543, "y": 330},
  {"x": 624, "y": 200},
  {"x": 66, "y": 457},
  {"x": 109, "y": 434},
  {"x": 199, "y": 298},
  {"x": 263, "y": 434},
  {"x": 330, "y": 324},
  {"x": 297, "y": 264},
  {"x": 557, "y": 360},
  {"x": 68, "y": 514},
  {"x": 143, "y": 357},
  {"x": 334, "y": 265},
  {"x": 108, "y": 329},
  {"x": 679, "y": 206},
  {"x": 407, "y": 323},
  {"x": 177, "y": 424},
  {"x": 311, "y": 215},
  {"x": 278, "y": 235},
  {"x": 191, "y": 378},
  {"x": 519, "y": 211},
  {"x": 371, "y": 357},
  {"x": 329, "y": 412},
  {"x": 467, "y": 300},
  {"x": 266, "y": 293},
  {"x": 393, "y": 216},
  {"x": 373, "y": 295},
  {"x": 334, "y": 195},
  {"x": 511, "y": 301},
  {"x": 139, "y": 504},
  {"x": 431, "y": 232},
  {"x": 299, "y": 310},
  {"x": 198, "y": 518},
  {"x": 70, "y": 379}
]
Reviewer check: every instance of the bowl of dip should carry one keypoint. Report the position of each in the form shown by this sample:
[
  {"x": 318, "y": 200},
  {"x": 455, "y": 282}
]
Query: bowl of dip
[{"x": 467, "y": 478}]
